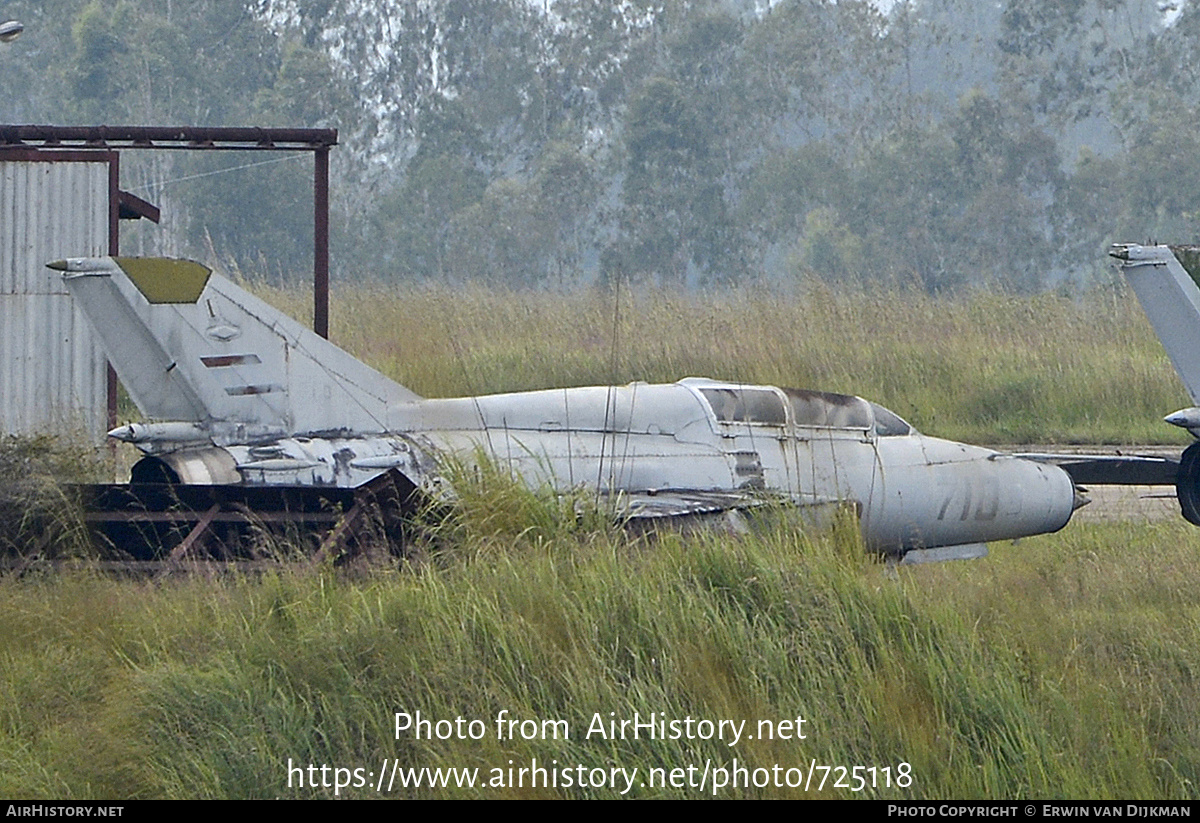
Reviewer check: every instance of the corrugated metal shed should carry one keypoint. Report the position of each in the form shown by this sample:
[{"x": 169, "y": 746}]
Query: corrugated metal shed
[{"x": 52, "y": 373}]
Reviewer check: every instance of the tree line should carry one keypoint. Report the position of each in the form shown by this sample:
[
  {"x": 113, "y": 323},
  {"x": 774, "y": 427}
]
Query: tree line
[{"x": 706, "y": 142}]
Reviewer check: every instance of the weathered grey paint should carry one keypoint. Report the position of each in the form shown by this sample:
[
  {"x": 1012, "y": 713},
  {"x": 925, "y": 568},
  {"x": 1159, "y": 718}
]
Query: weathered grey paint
[{"x": 243, "y": 395}]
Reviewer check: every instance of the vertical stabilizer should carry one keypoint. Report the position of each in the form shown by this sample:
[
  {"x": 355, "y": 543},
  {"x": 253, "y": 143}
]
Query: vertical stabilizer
[
  {"x": 1171, "y": 301},
  {"x": 191, "y": 346}
]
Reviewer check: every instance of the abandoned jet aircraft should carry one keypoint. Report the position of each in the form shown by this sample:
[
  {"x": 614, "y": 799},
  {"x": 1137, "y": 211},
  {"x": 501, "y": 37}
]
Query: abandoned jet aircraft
[
  {"x": 241, "y": 395},
  {"x": 1164, "y": 280}
]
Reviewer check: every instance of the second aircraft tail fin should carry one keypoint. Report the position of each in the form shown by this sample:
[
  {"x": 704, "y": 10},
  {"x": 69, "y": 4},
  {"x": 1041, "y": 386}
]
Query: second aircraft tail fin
[{"x": 1171, "y": 300}]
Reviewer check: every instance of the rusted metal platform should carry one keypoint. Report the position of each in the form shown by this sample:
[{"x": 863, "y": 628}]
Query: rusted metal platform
[{"x": 157, "y": 524}]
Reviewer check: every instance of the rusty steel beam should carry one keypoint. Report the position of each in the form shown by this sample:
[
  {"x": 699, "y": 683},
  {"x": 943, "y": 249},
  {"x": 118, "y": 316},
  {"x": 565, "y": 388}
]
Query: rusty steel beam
[
  {"x": 321, "y": 242},
  {"x": 205, "y": 566},
  {"x": 241, "y": 138},
  {"x": 19, "y": 142},
  {"x": 196, "y": 536},
  {"x": 114, "y": 248},
  {"x": 257, "y": 516},
  {"x": 132, "y": 207},
  {"x": 336, "y": 539}
]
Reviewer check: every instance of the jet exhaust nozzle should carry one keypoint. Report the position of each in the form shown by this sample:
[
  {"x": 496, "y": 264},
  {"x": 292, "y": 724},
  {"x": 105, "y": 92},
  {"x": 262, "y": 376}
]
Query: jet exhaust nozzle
[{"x": 1080, "y": 500}]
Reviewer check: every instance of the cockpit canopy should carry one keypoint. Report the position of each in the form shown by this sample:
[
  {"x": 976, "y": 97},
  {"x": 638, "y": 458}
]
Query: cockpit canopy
[
  {"x": 763, "y": 405},
  {"x": 890, "y": 424}
]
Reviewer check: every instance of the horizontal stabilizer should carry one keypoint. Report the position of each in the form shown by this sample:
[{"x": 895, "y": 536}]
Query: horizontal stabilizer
[{"x": 1112, "y": 469}]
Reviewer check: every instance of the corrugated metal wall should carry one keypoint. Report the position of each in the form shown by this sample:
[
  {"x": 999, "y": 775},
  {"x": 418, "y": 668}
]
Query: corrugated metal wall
[{"x": 52, "y": 373}]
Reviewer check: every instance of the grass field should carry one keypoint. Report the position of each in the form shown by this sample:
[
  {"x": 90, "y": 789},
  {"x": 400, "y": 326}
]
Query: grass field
[{"x": 1065, "y": 666}]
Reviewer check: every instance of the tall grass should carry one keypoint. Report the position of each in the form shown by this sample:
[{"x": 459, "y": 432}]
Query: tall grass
[
  {"x": 1055, "y": 668},
  {"x": 982, "y": 367},
  {"x": 39, "y": 516}
]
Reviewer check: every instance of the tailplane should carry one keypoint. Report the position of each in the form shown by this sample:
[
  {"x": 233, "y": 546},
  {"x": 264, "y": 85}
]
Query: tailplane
[{"x": 192, "y": 347}]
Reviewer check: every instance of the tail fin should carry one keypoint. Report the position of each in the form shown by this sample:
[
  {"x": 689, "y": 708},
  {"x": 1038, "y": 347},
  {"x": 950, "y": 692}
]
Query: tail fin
[
  {"x": 191, "y": 346},
  {"x": 1171, "y": 300}
]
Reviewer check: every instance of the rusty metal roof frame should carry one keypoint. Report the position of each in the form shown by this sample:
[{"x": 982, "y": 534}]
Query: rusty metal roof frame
[
  {"x": 233, "y": 138},
  {"x": 21, "y": 140}
]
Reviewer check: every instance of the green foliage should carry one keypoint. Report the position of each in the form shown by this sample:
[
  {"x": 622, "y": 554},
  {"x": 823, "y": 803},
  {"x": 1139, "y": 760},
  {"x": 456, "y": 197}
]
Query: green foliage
[
  {"x": 39, "y": 515},
  {"x": 98, "y": 52},
  {"x": 828, "y": 248},
  {"x": 305, "y": 90},
  {"x": 664, "y": 131},
  {"x": 491, "y": 510},
  {"x": 675, "y": 223},
  {"x": 952, "y": 144}
]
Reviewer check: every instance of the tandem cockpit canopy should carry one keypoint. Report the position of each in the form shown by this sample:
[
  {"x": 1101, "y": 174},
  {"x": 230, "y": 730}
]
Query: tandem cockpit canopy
[{"x": 764, "y": 405}]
